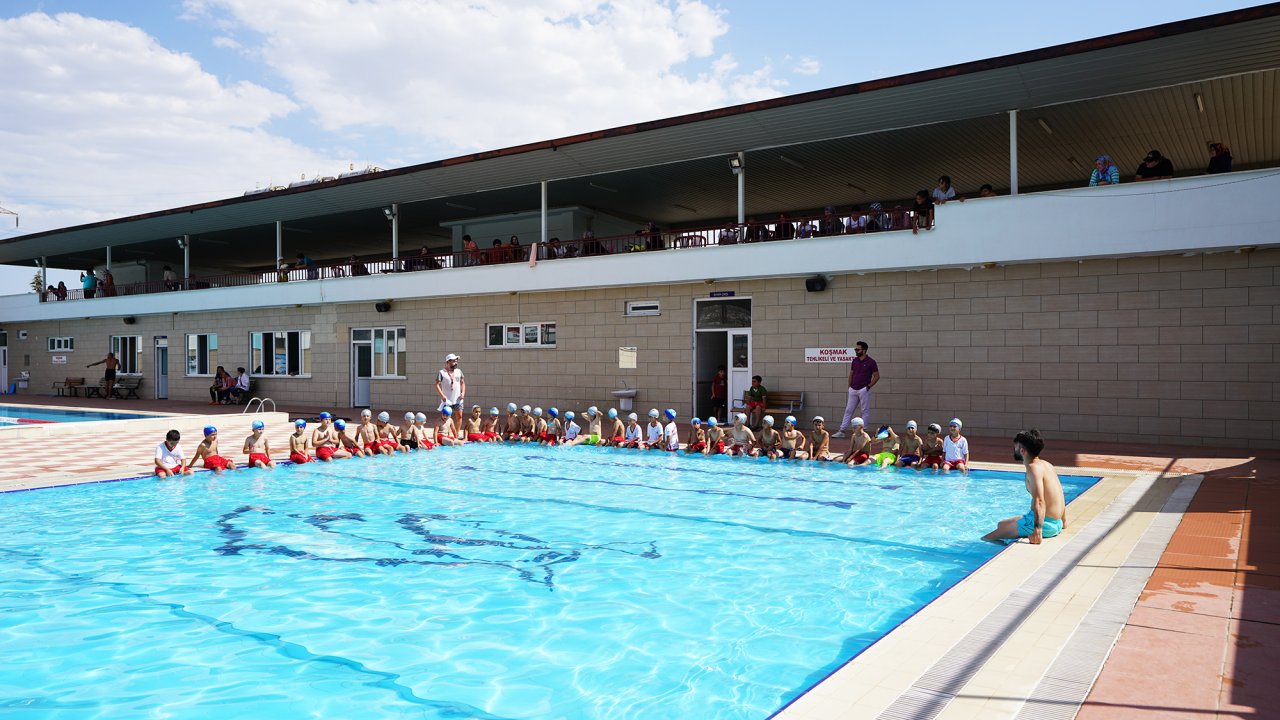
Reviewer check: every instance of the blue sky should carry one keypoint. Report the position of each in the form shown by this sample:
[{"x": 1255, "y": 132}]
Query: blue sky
[{"x": 116, "y": 108}]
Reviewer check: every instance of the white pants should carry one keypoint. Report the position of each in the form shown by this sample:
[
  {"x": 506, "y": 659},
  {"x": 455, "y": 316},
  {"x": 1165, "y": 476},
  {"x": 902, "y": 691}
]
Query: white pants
[{"x": 857, "y": 399}]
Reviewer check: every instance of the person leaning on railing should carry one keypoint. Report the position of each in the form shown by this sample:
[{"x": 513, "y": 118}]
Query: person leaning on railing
[
  {"x": 922, "y": 212},
  {"x": 1104, "y": 172}
]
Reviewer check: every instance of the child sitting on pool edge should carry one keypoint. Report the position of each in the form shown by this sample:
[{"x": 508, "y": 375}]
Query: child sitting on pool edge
[{"x": 169, "y": 456}]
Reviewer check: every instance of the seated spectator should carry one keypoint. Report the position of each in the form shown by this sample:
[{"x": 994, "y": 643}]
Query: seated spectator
[
  {"x": 785, "y": 230},
  {"x": 282, "y": 272},
  {"x": 806, "y": 230},
  {"x": 515, "y": 251},
  {"x": 728, "y": 235},
  {"x": 1221, "y": 160},
  {"x": 590, "y": 245},
  {"x": 986, "y": 191},
  {"x": 944, "y": 192},
  {"x": 61, "y": 291},
  {"x": 419, "y": 262},
  {"x": 1105, "y": 172},
  {"x": 653, "y": 237},
  {"x": 922, "y": 211},
  {"x": 554, "y": 249},
  {"x": 237, "y": 393},
  {"x": 170, "y": 279},
  {"x": 858, "y": 221},
  {"x": 830, "y": 224},
  {"x": 50, "y": 293},
  {"x": 498, "y": 253},
  {"x": 1153, "y": 167},
  {"x": 357, "y": 268},
  {"x": 879, "y": 220},
  {"x": 754, "y": 231},
  {"x": 306, "y": 263},
  {"x": 636, "y": 243}
]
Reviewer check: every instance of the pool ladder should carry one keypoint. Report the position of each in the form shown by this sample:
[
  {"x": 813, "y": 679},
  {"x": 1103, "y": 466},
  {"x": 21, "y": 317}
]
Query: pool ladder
[{"x": 261, "y": 407}]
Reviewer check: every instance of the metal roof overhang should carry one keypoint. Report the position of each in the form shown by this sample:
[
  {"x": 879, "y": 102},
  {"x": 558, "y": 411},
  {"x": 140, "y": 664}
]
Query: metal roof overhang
[{"x": 1212, "y": 47}]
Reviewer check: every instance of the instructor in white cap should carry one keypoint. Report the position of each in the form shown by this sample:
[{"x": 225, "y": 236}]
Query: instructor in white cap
[{"x": 451, "y": 386}]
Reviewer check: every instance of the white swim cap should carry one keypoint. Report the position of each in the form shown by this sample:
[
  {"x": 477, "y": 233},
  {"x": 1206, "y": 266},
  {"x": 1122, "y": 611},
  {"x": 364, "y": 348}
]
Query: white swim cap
[
  {"x": 819, "y": 418},
  {"x": 511, "y": 407},
  {"x": 911, "y": 424},
  {"x": 526, "y": 408},
  {"x": 537, "y": 412},
  {"x": 740, "y": 418},
  {"x": 633, "y": 416},
  {"x": 768, "y": 420},
  {"x": 858, "y": 422},
  {"x": 956, "y": 422},
  {"x": 366, "y": 413},
  {"x": 408, "y": 416},
  {"x": 593, "y": 410},
  {"x": 653, "y": 413},
  {"x": 384, "y": 416},
  {"x": 420, "y": 417},
  {"x": 613, "y": 412},
  {"x": 791, "y": 420}
]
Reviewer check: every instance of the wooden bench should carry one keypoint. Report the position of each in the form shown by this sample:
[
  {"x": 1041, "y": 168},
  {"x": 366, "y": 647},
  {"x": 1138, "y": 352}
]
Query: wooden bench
[
  {"x": 127, "y": 387},
  {"x": 69, "y": 386},
  {"x": 779, "y": 402}
]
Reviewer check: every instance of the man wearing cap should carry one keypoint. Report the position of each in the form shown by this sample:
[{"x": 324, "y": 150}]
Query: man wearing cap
[
  {"x": 863, "y": 375},
  {"x": 1153, "y": 167},
  {"x": 451, "y": 386}
]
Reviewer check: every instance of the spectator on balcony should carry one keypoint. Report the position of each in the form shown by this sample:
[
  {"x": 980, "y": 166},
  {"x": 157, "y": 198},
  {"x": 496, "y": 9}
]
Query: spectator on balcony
[
  {"x": 754, "y": 231},
  {"x": 728, "y": 235},
  {"x": 922, "y": 211},
  {"x": 1153, "y": 167},
  {"x": 986, "y": 191},
  {"x": 858, "y": 221},
  {"x": 306, "y": 263},
  {"x": 653, "y": 236},
  {"x": 89, "y": 284},
  {"x": 282, "y": 273},
  {"x": 1105, "y": 172},
  {"x": 108, "y": 284},
  {"x": 590, "y": 245},
  {"x": 806, "y": 229},
  {"x": 170, "y": 278},
  {"x": 636, "y": 243},
  {"x": 555, "y": 250},
  {"x": 497, "y": 253},
  {"x": 784, "y": 230},
  {"x": 944, "y": 192},
  {"x": 515, "y": 251},
  {"x": 878, "y": 219},
  {"x": 61, "y": 291},
  {"x": 1221, "y": 160},
  {"x": 50, "y": 293},
  {"x": 357, "y": 268},
  {"x": 830, "y": 224},
  {"x": 472, "y": 252}
]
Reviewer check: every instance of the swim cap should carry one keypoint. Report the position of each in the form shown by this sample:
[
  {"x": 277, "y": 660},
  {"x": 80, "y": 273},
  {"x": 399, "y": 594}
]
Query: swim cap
[
  {"x": 340, "y": 424},
  {"x": 695, "y": 421},
  {"x": 475, "y": 407},
  {"x": 935, "y": 427},
  {"x": 258, "y": 425},
  {"x": 325, "y": 416},
  {"x": 511, "y": 407},
  {"x": 526, "y": 408},
  {"x": 493, "y": 411},
  {"x": 818, "y": 418},
  {"x": 408, "y": 416},
  {"x": 446, "y": 411},
  {"x": 653, "y": 413},
  {"x": 712, "y": 421},
  {"x": 671, "y": 414},
  {"x": 883, "y": 432},
  {"x": 568, "y": 415},
  {"x": 911, "y": 424},
  {"x": 209, "y": 430},
  {"x": 593, "y": 410},
  {"x": 956, "y": 422},
  {"x": 366, "y": 413},
  {"x": 768, "y": 420},
  {"x": 613, "y": 412},
  {"x": 300, "y": 422},
  {"x": 420, "y": 417},
  {"x": 384, "y": 416},
  {"x": 537, "y": 412},
  {"x": 791, "y": 420},
  {"x": 553, "y": 412},
  {"x": 740, "y": 417},
  {"x": 633, "y": 416},
  {"x": 858, "y": 421}
]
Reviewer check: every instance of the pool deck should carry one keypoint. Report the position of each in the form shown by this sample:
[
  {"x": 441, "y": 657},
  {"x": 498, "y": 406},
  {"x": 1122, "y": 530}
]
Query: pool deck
[{"x": 1182, "y": 529}]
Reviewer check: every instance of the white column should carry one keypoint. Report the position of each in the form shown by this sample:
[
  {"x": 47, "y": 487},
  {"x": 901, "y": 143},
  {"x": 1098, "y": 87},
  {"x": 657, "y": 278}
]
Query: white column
[
  {"x": 1013, "y": 152},
  {"x": 108, "y": 258},
  {"x": 186, "y": 262},
  {"x": 742, "y": 190},
  {"x": 279, "y": 242},
  {"x": 544, "y": 214},
  {"x": 44, "y": 273},
  {"x": 395, "y": 231}
]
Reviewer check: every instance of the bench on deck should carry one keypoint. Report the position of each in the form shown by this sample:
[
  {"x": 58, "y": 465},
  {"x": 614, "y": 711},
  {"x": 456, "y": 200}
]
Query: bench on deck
[
  {"x": 779, "y": 402},
  {"x": 69, "y": 386},
  {"x": 127, "y": 387}
]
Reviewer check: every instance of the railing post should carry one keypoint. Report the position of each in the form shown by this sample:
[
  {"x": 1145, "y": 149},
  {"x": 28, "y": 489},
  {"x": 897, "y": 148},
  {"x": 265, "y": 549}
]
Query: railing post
[
  {"x": 186, "y": 262},
  {"x": 1013, "y": 152}
]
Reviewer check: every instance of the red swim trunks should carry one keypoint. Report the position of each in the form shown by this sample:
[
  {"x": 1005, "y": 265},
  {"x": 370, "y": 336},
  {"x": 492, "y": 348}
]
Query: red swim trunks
[
  {"x": 373, "y": 448},
  {"x": 618, "y": 439},
  {"x": 491, "y": 436},
  {"x": 216, "y": 462},
  {"x": 299, "y": 458},
  {"x": 258, "y": 458},
  {"x": 696, "y": 447},
  {"x": 477, "y": 437},
  {"x": 860, "y": 458},
  {"x": 325, "y": 453},
  {"x": 953, "y": 464},
  {"x": 389, "y": 443},
  {"x": 175, "y": 470},
  {"x": 719, "y": 448},
  {"x": 931, "y": 461}
]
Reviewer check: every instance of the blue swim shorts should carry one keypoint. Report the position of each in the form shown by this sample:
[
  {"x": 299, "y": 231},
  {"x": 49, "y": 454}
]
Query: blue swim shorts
[{"x": 1027, "y": 525}]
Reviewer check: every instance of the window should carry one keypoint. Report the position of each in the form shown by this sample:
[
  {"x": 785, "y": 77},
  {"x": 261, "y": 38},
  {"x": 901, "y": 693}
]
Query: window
[
  {"x": 128, "y": 351},
  {"x": 202, "y": 354},
  {"x": 643, "y": 307},
  {"x": 721, "y": 314},
  {"x": 62, "y": 344},
  {"x": 280, "y": 352},
  {"x": 507, "y": 335},
  {"x": 390, "y": 354}
]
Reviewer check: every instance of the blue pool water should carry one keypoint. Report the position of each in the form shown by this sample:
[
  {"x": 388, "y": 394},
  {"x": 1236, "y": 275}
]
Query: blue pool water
[
  {"x": 480, "y": 582},
  {"x": 16, "y": 414}
]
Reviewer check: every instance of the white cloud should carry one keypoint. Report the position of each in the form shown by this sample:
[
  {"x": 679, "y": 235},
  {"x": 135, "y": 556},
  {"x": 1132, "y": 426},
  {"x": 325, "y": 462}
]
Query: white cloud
[
  {"x": 807, "y": 66},
  {"x": 102, "y": 121},
  {"x": 466, "y": 75},
  {"x": 229, "y": 43}
]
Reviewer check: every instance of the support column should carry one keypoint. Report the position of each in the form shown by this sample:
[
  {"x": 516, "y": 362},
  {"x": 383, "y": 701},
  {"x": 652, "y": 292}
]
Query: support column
[
  {"x": 186, "y": 262},
  {"x": 44, "y": 274},
  {"x": 395, "y": 233},
  {"x": 279, "y": 244},
  {"x": 1013, "y": 152},
  {"x": 108, "y": 258},
  {"x": 742, "y": 190},
  {"x": 544, "y": 214}
]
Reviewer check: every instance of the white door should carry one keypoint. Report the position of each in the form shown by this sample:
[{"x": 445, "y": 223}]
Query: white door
[
  {"x": 739, "y": 364},
  {"x": 162, "y": 368},
  {"x": 361, "y": 372}
]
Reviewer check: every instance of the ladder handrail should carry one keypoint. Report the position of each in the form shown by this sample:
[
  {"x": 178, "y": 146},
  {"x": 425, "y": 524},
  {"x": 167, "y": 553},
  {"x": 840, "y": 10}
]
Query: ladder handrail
[{"x": 262, "y": 405}]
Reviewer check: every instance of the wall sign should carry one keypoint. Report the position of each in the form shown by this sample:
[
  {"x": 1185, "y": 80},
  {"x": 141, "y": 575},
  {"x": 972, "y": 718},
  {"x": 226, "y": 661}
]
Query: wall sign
[
  {"x": 723, "y": 293},
  {"x": 59, "y": 359},
  {"x": 828, "y": 355}
]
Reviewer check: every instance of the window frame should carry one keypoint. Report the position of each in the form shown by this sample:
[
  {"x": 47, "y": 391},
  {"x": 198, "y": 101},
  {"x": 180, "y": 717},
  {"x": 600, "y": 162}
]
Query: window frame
[
  {"x": 384, "y": 359},
  {"x": 56, "y": 346},
  {"x": 638, "y": 308},
  {"x": 303, "y": 352},
  {"x": 514, "y": 335},
  {"x": 128, "y": 366},
  {"x": 210, "y": 362}
]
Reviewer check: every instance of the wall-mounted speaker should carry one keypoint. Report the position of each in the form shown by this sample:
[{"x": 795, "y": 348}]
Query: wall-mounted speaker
[
  {"x": 129, "y": 320},
  {"x": 815, "y": 284},
  {"x": 383, "y": 307}
]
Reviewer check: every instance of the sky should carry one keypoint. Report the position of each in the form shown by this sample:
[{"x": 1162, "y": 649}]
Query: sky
[{"x": 111, "y": 109}]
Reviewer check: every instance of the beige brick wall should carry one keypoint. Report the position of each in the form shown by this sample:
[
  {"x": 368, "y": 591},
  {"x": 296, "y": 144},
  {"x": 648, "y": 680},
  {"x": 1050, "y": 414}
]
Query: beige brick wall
[{"x": 1170, "y": 349}]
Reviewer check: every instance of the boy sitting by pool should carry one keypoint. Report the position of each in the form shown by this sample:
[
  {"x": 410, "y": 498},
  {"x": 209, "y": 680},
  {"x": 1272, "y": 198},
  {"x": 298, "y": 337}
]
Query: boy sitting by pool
[
  {"x": 888, "y": 442},
  {"x": 446, "y": 431},
  {"x": 697, "y": 438},
  {"x": 169, "y": 456},
  {"x": 422, "y": 432},
  {"x": 757, "y": 400},
  {"x": 407, "y": 435},
  {"x": 715, "y": 437},
  {"x": 671, "y": 432},
  {"x": 909, "y": 446},
  {"x": 932, "y": 449},
  {"x": 512, "y": 424},
  {"x": 819, "y": 440},
  {"x": 955, "y": 448},
  {"x": 741, "y": 440},
  {"x": 769, "y": 439},
  {"x": 490, "y": 426},
  {"x": 351, "y": 446},
  {"x": 325, "y": 440},
  {"x": 207, "y": 450},
  {"x": 571, "y": 429},
  {"x": 791, "y": 445},
  {"x": 475, "y": 425},
  {"x": 387, "y": 434},
  {"x": 298, "y": 443},
  {"x": 859, "y": 444},
  {"x": 615, "y": 433},
  {"x": 633, "y": 437},
  {"x": 258, "y": 448}
]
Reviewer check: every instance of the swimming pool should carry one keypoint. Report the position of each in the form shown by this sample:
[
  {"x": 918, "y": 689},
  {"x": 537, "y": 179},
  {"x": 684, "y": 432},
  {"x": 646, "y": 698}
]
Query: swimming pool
[
  {"x": 25, "y": 414},
  {"x": 480, "y": 582}
]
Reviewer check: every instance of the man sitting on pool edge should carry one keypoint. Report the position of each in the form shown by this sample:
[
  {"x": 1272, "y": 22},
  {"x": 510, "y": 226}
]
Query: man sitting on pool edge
[{"x": 1048, "y": 514}]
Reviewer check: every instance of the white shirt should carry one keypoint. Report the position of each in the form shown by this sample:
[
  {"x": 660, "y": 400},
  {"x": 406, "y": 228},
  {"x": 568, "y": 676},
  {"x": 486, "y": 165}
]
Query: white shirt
[
  {"x": 242, "y": 382},
  {"x": 939, "y": 196},
  {"x": 955, "y": 450},
  {"x": 655, "y": 433},
  {"x": 571, "y": 430},
  {"x": 450, "y": 384},
  {"x": 170, "y": 458},
  {"x": 672, "y": 435},
  {"x": 633, "y": 433}
]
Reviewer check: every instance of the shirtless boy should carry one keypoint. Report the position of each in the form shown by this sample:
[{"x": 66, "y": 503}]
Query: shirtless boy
[
  {"x": 528, "y": 425},
  {"x": 616, "y": 431},
  {"x": 169, "y": 456},
  {"x": 594, "y": 428},
  {"x": 421, "y": 431},
  {"x": 490, "y": 426},
  {"x": 859, "y": 444},
  {"x": 367, "y": 435},
  {"x": 819, "y": 440},
  {"x": 345, "y": 441},
  {"x": 791, "y": 445},
  {"x": 387, "y": 434},
  {"x": 932, "y": 449},
  {"x": 955, "y": 449},
  {"x": 715, "y": 437},
  {"x": 887, "y": 440},
  {"x": 909, "y": 446},
  {"x": 511, "y": 426},
  {"x": 408, "y": 435},
  {"x": 1048, "y": 514},
  {"x": 446, "y": 431},
  {"x": 207, "y": 450},
  {"x": 741, "y": 440},
  {"x": 769, "y": 439},
  {"x": 325, "y": 440},
  {"x": 697, "y": 438},
  {"x": 257, "y": 447},
  {"x": 474, "y": 425},
  {"x": 298, "y": 443}
]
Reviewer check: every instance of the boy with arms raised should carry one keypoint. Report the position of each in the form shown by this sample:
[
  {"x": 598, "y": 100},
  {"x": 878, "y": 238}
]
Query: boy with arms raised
[{"x": 1048, "y": 514}]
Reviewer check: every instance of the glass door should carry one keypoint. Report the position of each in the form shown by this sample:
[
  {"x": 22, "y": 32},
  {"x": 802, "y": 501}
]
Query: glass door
[
  {"x": 361, "y": 367},
  {"x": 162, "y": 368}
]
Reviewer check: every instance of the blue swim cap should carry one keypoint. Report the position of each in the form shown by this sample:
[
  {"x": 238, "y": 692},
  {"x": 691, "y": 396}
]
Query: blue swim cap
[
  {"x": 712, "y": 421},
  {"x": 340, "y": 424},
  {"x": 493, "y": 411},
  {"x": 209, "y": 430},
  {"x": 613, "y": 412},
  {"x": 258, "y": 425},
  {"x": 569, "y": 415},
  {"x": 671, "y": 414},
  {"x": 446, "y": 411},
  {"x": 300, "y": 422},
  {"x": 695, "y": 421},
  {"x": 791, "y": 420},
  {"x": 553, "y": 412},
  {"x": 325, "y": 416}
]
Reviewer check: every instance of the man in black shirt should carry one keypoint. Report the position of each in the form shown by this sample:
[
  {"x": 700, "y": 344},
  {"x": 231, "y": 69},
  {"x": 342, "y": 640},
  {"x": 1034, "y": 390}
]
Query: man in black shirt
[{"x": 1154, "y": 167}]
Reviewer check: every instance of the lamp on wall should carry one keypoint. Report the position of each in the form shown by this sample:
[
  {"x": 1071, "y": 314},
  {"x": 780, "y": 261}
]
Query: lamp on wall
[
  {"x": 389, "y": 214},
  {"x": 735, "y": 163}
]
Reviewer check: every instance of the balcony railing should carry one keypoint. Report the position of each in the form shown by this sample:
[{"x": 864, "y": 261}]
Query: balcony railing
[{"x": 651, "y": 239}]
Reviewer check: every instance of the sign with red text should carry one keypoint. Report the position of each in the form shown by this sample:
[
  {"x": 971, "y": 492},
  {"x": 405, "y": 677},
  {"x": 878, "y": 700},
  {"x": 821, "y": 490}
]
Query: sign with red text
[{"x": 828, "y": 355}]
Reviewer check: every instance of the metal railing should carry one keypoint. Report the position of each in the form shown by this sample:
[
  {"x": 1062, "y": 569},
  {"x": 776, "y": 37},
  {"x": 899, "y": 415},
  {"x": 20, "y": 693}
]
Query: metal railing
[{"x": 650, "y": 239}]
